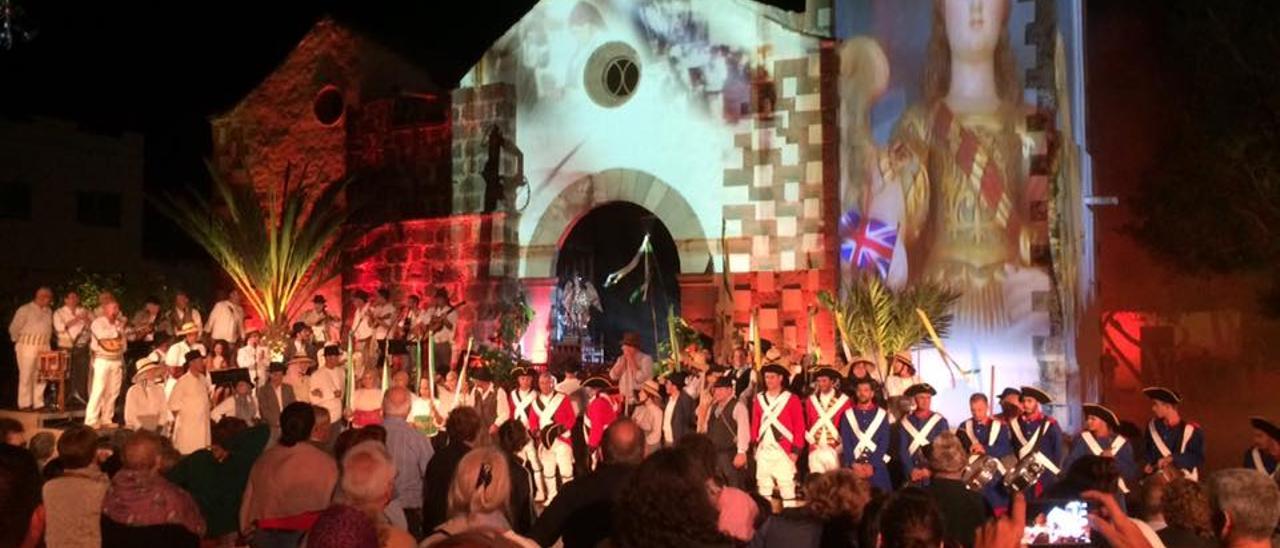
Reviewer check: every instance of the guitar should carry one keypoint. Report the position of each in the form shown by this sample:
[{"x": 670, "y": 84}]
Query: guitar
[{"x": 437, "y": 321}]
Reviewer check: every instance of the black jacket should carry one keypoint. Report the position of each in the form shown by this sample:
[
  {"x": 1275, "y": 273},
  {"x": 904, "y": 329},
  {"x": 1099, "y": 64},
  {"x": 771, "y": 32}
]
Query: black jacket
[
  {"x": 963, "y": 511},
  {"x": 582, "y": 513},
  {"x": 684, "y": 418},
  {"x": 435, "y": 484}
]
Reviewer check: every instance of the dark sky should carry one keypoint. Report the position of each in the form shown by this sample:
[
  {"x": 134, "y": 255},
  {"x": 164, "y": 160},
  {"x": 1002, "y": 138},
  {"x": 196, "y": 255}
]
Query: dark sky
[{"x": 163, "y": 67}]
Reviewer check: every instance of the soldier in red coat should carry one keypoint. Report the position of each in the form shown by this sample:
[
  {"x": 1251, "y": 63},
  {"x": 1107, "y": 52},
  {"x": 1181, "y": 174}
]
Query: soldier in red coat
[
  {"x": 551, "y": 416},
  {"x": 823, "y": 411},
  {"x": 520, "y": 399},
  {"x": 777, "y": 427},
  {"x": 602, "y": 410}
]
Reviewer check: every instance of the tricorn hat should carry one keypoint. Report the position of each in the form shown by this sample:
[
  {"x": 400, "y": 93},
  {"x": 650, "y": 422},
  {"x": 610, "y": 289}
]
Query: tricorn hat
[
  {"x": 776, "y": 369},
  {"x": 1266, "y": 427},
  {"x": 1106, "y": 415},
  {"x": 1036, "y": 394},
  {"x": 1160, "y": 393},
  {"x": 598, "y": 383},
  {"x": 920, "y": 388},
  {"x": 828, "y": 372}
]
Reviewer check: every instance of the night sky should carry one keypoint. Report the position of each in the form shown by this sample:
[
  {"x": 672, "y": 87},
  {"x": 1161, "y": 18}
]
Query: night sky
[{"x": 162, "y": 68}]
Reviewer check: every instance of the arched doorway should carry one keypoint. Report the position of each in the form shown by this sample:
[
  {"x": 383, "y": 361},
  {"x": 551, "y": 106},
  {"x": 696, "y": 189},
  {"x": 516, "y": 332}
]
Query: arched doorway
[{"x": 604, "y": 240}]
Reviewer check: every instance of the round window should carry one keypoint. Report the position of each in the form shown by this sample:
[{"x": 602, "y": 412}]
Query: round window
[
  {"x": 612, "y": 74},
  {"x": 329, "y": 106}
]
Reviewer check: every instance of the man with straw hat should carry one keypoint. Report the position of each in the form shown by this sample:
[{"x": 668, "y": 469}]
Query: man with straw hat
[
  {"x": 189, "y": 341},
  {"x": 632, "y": 368},
  {"x": 648, "y": 415},
  {"x": 190, "y": 406},
  {"x": 145, "y": 405}
]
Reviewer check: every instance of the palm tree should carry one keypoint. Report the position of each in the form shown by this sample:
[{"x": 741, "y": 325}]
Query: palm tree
[
  {"x": 877, "y": 321},
  {"x": 276, "y": 248}
]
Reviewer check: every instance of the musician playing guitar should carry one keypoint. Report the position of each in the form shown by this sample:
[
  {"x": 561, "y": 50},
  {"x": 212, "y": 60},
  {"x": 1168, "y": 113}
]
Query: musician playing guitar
[{"x": 442, "y": 317}]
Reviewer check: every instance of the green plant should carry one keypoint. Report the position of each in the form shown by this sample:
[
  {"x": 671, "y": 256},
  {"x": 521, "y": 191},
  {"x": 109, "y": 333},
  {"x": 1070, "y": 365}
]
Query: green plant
[
  {"x": 514, "y": 316},
  {"x": 877, "y": 321},
  {"x": 274, "y": 248}
]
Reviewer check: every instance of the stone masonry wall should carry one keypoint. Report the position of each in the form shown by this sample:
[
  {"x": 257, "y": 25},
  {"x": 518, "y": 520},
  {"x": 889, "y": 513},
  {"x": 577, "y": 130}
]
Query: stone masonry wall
[{"x": 475, "y": 112}]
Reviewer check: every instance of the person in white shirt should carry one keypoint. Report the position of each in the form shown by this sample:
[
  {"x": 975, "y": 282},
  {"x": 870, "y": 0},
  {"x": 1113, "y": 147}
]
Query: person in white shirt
[
  {"x": 240, "y": 404},
  {"x": 362, "y": 330},
  {"x": 324, "y": 326},
  {"x": 254, "y": 357},
  {"x": 226, "y": 320},
  {"x": 177, "y": 355},
  {"x": 182, "y": 314},
  {"x": 31, "y": 330},
  {"x": 145, "y": 404},
  {"x": 441, "y": 321},
  {"x": 71, "y": 326},
  {"x": 383, "y": 316},
  {"x": 632, "y": 368},
  {"x": 108, "y": 344},
  {"x": 190, "y": 406},
  {"x": 329, "y": 382}
]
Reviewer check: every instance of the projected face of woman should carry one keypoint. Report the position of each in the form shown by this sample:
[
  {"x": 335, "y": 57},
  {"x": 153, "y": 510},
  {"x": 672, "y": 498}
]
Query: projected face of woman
[{"x": 973, "y": 27}]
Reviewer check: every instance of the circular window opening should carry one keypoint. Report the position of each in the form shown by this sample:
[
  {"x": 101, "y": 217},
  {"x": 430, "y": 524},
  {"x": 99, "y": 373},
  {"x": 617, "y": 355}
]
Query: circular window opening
[
  {"x": 612, "y": 74},
  {"x": 329, "y": 106}
]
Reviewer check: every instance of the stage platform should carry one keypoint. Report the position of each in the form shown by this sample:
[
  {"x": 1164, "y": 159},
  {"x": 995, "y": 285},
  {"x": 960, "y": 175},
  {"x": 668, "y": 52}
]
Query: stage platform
[{"x": 33, "y": 421}]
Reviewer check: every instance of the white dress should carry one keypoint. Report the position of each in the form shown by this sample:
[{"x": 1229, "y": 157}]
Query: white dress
[{"x": 191, "y": 407}]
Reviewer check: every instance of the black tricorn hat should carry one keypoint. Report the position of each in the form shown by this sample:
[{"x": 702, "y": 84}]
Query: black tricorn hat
[
  {"x": 921, "y": 388},
  {"x": 1266, "y": 427},
  {"x": 1096, "y": 410},
  {"x": 1036, "y": 394},
  {"x": 1160, "y": 393}
]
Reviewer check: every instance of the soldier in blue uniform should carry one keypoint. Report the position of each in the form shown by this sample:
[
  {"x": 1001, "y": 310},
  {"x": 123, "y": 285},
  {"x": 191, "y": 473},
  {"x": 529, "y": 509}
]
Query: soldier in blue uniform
[
  {"x": 1173, "y": 444},
  {"x": 983, "y": 434},
  {"x": 1010, "y": 405},
  {"x": 916, "y": 431},
  {"x": 864, "y": 436},
  {"x": 1262, "y": 456},
  {"x": 1100, "y": 438},
  {"x": 1038, "y": 435}
]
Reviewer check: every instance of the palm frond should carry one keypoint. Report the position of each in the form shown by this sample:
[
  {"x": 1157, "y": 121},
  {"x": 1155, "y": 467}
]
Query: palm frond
[
  {"x": 878, "y": 321},
  {"x": 276, "y": 248}
]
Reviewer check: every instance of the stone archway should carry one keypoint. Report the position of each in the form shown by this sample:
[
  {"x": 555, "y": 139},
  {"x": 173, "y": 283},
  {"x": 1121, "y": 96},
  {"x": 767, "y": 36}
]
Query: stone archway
[{"x": 616, "y": 185}]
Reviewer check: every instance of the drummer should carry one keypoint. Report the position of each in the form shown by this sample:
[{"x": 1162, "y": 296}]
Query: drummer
[{"x": 982, "y": 435}]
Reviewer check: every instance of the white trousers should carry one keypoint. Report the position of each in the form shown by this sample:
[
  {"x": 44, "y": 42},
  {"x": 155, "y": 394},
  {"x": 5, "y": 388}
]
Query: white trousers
[
  {"x": 529, "y": 454},
  {"x": 559, "y": 458},
  {"x": 104, "y": 388},
  {"x": 823, "y": 458},
  {"x": 774, "y": 468},
  {"x": 30, "y": 388}
]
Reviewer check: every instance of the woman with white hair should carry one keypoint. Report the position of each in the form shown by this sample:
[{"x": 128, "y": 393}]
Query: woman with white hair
[
  {"x": 368, "y": 479},
  {"x": 480, "y": 500}
]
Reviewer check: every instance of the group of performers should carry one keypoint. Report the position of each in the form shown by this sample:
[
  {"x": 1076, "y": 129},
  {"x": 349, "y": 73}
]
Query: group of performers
[{"x": 771, "y": 422}]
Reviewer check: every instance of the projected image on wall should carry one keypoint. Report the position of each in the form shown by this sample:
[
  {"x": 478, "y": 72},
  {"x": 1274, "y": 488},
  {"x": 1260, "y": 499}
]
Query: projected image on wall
[{"x": 947, "y": 167}]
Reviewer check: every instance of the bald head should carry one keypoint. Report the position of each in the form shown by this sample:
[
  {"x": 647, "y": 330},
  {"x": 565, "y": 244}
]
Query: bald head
[
  {"x": 142, "y": 451},
  {"x": 623, "y": 443},
  {"x": 397, "y": 402}
]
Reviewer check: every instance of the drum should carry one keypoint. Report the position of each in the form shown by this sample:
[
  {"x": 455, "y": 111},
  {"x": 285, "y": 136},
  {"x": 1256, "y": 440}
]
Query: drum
[
  {"x": 980, "y": 471},
  {"x": 53, "y": 365}
]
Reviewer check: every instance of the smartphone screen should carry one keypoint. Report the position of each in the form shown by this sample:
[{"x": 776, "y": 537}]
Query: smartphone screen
[{"x": 1057, "y": 522}]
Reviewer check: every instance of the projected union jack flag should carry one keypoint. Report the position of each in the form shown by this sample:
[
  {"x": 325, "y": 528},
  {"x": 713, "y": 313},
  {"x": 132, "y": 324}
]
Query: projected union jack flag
[{"x": 866, "y": 242}]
